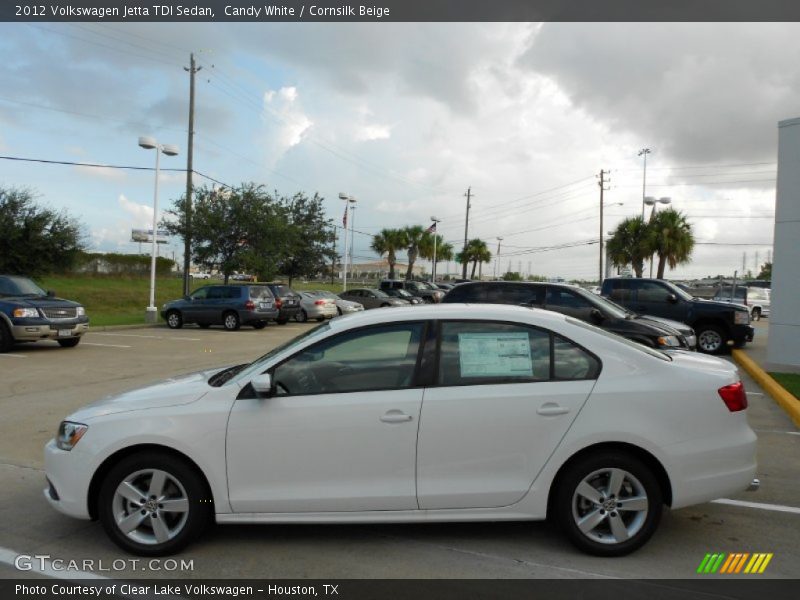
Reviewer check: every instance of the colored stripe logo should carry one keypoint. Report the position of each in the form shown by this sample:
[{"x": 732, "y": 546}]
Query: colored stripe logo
[{"x": 735, "y": 563}]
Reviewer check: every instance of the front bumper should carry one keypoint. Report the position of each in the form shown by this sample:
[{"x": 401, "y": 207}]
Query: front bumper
[
  {"x": 742, "y": 333},
  {"x": 31, "y": 330},
  {"x": 68, "y": 477}
]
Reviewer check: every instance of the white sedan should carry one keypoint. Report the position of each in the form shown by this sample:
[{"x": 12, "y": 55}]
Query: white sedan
[{"x": 432, "y": 413}]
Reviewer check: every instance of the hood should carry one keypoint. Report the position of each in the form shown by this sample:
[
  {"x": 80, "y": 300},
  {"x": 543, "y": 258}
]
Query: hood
[
  {"x": 717, "y": 303},
  {"x": 646, "y": 325},
  {"x": 170, "y": 392},
  {"x": 677, "y": 325},
  {"x": 41, "y": 301}
]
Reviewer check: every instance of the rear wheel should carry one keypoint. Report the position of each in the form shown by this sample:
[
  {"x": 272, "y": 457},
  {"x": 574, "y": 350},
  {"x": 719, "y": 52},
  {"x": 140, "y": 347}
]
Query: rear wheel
[
  {"x": 259, "y": 325},
  {"x": 756, "y": 314},
  {"x": 174, "y": 319},
  {"x": 710, "y": 339},
  {"x": 230, "y": 320},
  {"x": 609, "y": 504},
  {"x": 69, "y": 343},
  {"x": 301, "y": 317},
  {"x": 339, "y": 310}
]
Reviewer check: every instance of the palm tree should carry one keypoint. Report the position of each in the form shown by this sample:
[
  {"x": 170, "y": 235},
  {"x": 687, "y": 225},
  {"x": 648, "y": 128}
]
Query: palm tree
[
  {"x": 413, "y": 237},
  {"x": 670, "y": 237},
  {"x": 444, "y": 250},
  {"x": 388, "y": 242},
  {"x": 475, "y": 251},
  {"x": 629, "y": 245}
]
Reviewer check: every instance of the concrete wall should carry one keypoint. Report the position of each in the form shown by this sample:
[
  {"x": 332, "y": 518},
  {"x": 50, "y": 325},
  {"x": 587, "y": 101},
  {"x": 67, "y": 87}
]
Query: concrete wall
[{"x": 783, "y": 346}]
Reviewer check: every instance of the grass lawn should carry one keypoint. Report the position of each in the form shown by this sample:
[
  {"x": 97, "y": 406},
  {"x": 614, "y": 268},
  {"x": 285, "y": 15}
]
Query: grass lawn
[
  {"x": 790, "y": 381},
  {"x": 121, "y": 300}
]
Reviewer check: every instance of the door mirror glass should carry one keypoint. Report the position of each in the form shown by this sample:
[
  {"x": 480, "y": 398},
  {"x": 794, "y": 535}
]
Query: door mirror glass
[
  {"x": 672, "y": 299},
  {"x": 262, "y": 385},
  {"x": 596, "y": 316}
]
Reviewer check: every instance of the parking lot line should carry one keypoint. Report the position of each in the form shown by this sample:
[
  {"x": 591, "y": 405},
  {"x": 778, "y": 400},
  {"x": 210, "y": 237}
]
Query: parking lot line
[
  {"x": 105, "y": 345},
  {"x": 773, "y": 507},
  {"x": 15, "y": 355},
  {"x": 150, "y": 337},
  {"x": 10, "y": 557}
]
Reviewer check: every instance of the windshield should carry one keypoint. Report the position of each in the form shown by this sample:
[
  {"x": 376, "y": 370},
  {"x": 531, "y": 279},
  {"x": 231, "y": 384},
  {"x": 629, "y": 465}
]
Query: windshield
[
  {"x": 324, "y": 294},
  {"x": 678, "y": 291},
  {"x": 403, "y": 293},
  {"x": 19, "y": 286},
  {"x": 256, "y": 366},
  {"x": 605, "y": 304}
]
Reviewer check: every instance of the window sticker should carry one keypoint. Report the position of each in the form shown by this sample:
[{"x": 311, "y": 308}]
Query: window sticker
[{"x": 495, "y": 354}]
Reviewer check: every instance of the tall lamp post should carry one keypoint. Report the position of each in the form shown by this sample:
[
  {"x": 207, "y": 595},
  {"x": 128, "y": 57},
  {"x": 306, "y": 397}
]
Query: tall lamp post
[
  {"x": 650, "y": 201},
  {"x": 433, "y": 228},
  {"x": 497, "y": 258},
  {"x": 644, "y": 152},
  {"x": 149, "y": 143},
  {"x": 348, "y": 200}
]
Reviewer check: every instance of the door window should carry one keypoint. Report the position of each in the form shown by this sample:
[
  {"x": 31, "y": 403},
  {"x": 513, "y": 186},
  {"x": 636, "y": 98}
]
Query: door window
[
  {"x": 572, "y": 362},
  {"x": 520, "y": 294},
  {"x": 376, "y": 358},
  {"x": 200, "y": 294},
  {"x": 650, "y": 291}
]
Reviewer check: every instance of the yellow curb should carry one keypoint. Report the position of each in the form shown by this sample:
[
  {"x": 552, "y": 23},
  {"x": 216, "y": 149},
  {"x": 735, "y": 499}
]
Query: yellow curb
[{"x": 785, "y": 399}]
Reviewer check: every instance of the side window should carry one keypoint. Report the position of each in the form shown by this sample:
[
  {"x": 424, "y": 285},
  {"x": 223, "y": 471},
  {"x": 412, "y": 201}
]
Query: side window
[
  {"x": 477, "y": 352},
  {"x": 568, "y": 303},
  {"x": 377, "y": 358},
  {"x": 650, "y": 291},
  {"x": 620, "y": 291},
  {"x": 200, "y": 294},
  {"x": 572, "y": 362},
  {"x": 467, "y": 293},
  {"x": 216, "y": 293},
  {"x": 515, "y": 294}
]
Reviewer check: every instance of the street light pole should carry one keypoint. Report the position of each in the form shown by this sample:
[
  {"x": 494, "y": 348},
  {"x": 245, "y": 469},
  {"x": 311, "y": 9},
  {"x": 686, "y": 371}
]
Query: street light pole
[
  {"x": 435, "y": 224},
  {"x": 644, "y": 152},
  {"x": 148, "y": 143},
  {"x": 348, "y": 200},
  {"x": 497, "y": 258}
]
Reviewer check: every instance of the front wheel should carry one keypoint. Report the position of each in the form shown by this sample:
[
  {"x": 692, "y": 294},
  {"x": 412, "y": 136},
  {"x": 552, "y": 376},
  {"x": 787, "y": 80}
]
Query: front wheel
[
  {"x": 153, "y": 504},
  {"x": 174, "y": 319},
  {"x": 710, "y": 339},
  {"x": 230, "y": 320},
  {"x": 609, "y": 504}
]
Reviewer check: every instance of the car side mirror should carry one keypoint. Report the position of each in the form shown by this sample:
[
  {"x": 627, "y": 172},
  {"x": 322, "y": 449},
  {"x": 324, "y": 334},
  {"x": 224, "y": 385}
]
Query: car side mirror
[
  {"x": 672, "y": 299},
  {"x": 51, "y": 294},
  {"x": 597, "y": 316},
  {"x": 262, "y": 385}
]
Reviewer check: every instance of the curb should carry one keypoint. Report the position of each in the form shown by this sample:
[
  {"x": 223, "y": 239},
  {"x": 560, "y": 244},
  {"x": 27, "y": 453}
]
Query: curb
[
  {"x": 121, "y": 327},
  {"x": 785, "y": 400}
]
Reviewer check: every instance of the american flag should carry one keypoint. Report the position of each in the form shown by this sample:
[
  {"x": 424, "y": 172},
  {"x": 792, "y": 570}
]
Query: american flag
[
  {"x": 432, "y": 228},
  {"x": 344, "y": 218}
]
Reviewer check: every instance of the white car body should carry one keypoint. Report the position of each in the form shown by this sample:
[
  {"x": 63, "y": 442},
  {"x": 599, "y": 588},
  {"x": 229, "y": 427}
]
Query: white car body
[{"x": 464, "y": 453}]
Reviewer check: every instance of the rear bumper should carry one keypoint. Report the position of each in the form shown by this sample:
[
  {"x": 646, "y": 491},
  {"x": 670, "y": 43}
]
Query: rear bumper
[{"x": 255, "y": 316}]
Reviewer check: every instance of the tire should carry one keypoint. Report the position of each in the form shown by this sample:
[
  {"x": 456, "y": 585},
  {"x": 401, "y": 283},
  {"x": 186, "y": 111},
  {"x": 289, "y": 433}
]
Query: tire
[
  {"x": 339, "y": 311},
  {"x": 283, "y": 321},
  {"x": 756, "y": 316},
  {"x": 320, "y": 319},
  {"x": 204, "y": 325},
  {"x": 174, "y": 319},
  {"x": 165, "y": 527},
  {"x": 301, "y": 317},
  {"x": 259, "y": 324},
  {"x": 710, "y": 339},
  {"x": 230, "y": 321},
  {"x": 6, "y": 341},
  {"x": 70, "y": 343},
  {"x": 614, "y": 532}
]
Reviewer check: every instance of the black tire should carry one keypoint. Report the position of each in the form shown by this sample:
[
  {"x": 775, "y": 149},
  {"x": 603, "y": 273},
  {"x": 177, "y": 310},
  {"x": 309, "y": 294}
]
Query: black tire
[
  {"x": 174, "y": 319},
  {"x": 339, "y": 311},
  {"x": 69, "y": 343},
  {"x": 637, "y": 481},
  {"x": 756, "y": 316},
  {"x": 6, "y": 341},
  {"x": 301, "y": 317},
  {"x": 183, "y": 486},
  {"x": 204, "y": 325},
  {"x": 283, "y": 321},
  {"x": 230, "y": 321},
  {"x": 259, "y": 324},
  {"x": 320, "y": 319},
  {"x": 711, "y": 339}
]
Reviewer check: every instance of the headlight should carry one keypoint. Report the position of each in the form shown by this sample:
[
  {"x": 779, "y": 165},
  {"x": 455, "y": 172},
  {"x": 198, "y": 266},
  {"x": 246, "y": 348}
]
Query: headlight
[
  {"x": 26, "y": 312},
  {"x": 741, "y": 317},
  {"x": 670, "y": 341},
  {"x": 80, "y": 311},
  {"x": 69, "y": 434}
]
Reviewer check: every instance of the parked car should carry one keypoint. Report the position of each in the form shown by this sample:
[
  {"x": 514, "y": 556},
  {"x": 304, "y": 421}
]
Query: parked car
[
  {"x": 579, "y": 303},
  {"x": 287, "y": 301},
  {"x": 343, "y": 307},
  {"x": 372, "y": 298},
  {"x": 405, "y": 295},
  {"x": 718, "y": 325},
  {"x": 760, "y": 283},
  {"x": 201, "y": 275},
  {"x": 228, "y": 305},
  {"x": 29, "y": 314},
  {"x": 756, "y": 299},
  {"x": 242, "y": 277},
  {"x": 313, "y": 306},
  {"x": 443, "y": 285},
  {"x": 428, "y": 292},
  {"x": 528, "y": 414}
]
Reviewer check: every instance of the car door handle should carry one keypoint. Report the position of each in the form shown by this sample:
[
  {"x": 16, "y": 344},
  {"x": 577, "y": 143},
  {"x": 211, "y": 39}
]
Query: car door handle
[
  {"x": 395, "y": 416},
  {"x": 550, "y": 410}
]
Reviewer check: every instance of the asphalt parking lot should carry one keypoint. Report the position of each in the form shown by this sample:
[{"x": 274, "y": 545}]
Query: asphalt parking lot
[{"x": 42, "y": 383}]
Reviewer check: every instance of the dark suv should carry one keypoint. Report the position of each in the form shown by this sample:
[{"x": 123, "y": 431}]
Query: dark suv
[
  {"x": 228, "y": 305},
  {"x": 581, "y": 304},
  {"x": 429, "y": 293},
  {"x": 287, "y": 301},
  {"x": 29, "y": 314},
  {"x": 718, "y": 325}
]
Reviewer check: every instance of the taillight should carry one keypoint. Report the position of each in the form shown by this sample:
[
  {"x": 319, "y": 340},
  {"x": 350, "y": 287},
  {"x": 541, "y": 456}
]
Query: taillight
[
  {"x": 278, "y": 302},
  {"x": 319, "y": 302},
  {"x": 250, "y": 305},
  {"x": 734, "y": 396}
]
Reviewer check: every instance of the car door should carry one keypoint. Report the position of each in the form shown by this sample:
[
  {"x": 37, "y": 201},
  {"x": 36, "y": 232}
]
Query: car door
[
  {"x": 499, "y": 408},
  {"x": 194, "y": 307},
  {"x": 653, "y": 298},
  {"x": 340, "y": 432}
]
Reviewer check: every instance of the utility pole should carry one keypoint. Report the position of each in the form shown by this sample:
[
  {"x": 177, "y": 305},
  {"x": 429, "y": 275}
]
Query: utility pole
[
  {"x": 602, "y": 184},
  {"x": 333, "y": 253},
  {"x": 744, "y": 261},
  {"x": 187, "y": 238},
  {"x": 466, "y": 231},
  {"x": 644, "y": 152},
  {"x": 755, "y": 270}
]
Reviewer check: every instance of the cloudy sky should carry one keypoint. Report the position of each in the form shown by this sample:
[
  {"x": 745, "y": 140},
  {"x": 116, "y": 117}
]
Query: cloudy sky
[{"x": 407, "y": 117}]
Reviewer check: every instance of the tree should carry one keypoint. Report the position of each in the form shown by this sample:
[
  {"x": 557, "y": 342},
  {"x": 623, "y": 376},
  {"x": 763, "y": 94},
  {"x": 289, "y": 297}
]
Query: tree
[
  {"x": 475, "y": 251},
  {"x": 413, "y": 237},
  {"x": 766, "y": 271},
  {"x": 629, "y": 245},
  {"x": 670, "y": 237},
  {"x": 444, "y": 250},
  {"x": 388, "y": 242},
  {"x": 309, "y": 237},
  {"x": 35, "y": 240}
]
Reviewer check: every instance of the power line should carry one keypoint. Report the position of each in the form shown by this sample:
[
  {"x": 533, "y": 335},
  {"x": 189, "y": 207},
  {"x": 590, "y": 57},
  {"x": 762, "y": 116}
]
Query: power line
[{"x": 83, "y": 164}]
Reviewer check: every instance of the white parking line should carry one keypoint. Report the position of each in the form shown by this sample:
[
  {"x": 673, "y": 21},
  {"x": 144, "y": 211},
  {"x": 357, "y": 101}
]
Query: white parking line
[
  {"x": 151, "y": 337},
  {"x": 772, "y": 507},
  {"x": 11, "y": 557},
  {"x": 777, "y": 431},
  {"x": 15, "y": 355},
  {"x": 105, "y": 345}
]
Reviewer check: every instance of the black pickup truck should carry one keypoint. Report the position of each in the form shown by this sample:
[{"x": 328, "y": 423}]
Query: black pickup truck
[{"x": 718, "y": 325}]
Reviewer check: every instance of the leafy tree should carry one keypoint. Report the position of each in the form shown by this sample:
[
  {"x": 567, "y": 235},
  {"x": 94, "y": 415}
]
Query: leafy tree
[
  {"x": 388, "y": 242},
  {"x": 474, "y": 252},
  {"x": 309, "y": 237},
  {"x": 512, "y": 276},
  {"x": 35, "y": 240},
  {"x": 444, "y": 250},
  {"x": 766, "y": 271},
  {"x": 670, "y": 237},
  {"x": 414, "y": 236},
  {"x": 629, "y": 245}
]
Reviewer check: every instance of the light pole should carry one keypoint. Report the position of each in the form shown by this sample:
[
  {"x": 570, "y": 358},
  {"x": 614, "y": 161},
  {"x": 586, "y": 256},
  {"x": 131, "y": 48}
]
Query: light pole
[
  {"x": 348, "y": 200},
  {"x": 644, "y": 152},
  {"x": 352, "y": 236},
  {"x": 497, "y": 258},
  {"x": 149, "y": 143},
  {"x": 650, "y": 201},
  {"x": 433, "y": 228}
]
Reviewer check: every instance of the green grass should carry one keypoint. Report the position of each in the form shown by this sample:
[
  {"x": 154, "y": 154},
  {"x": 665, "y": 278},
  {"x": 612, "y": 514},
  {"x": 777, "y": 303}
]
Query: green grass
[
  {"x": 121, "y": 300},
  {"x": 790, "y": 381}
]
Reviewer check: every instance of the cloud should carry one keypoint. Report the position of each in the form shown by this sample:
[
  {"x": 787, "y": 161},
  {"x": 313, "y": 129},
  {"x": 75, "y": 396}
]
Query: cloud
[
  {"x": 141, "y": 214},
  {"x": 107, "y": 173},
  {"x": 285, "y": 121},
  {"x": 367, "y": 133}
]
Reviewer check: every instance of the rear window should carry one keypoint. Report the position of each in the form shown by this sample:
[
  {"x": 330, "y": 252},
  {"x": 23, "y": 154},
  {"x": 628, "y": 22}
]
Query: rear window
[
  {"x": 283, "y": 290},
  {"x": 260, "y": 292}
]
